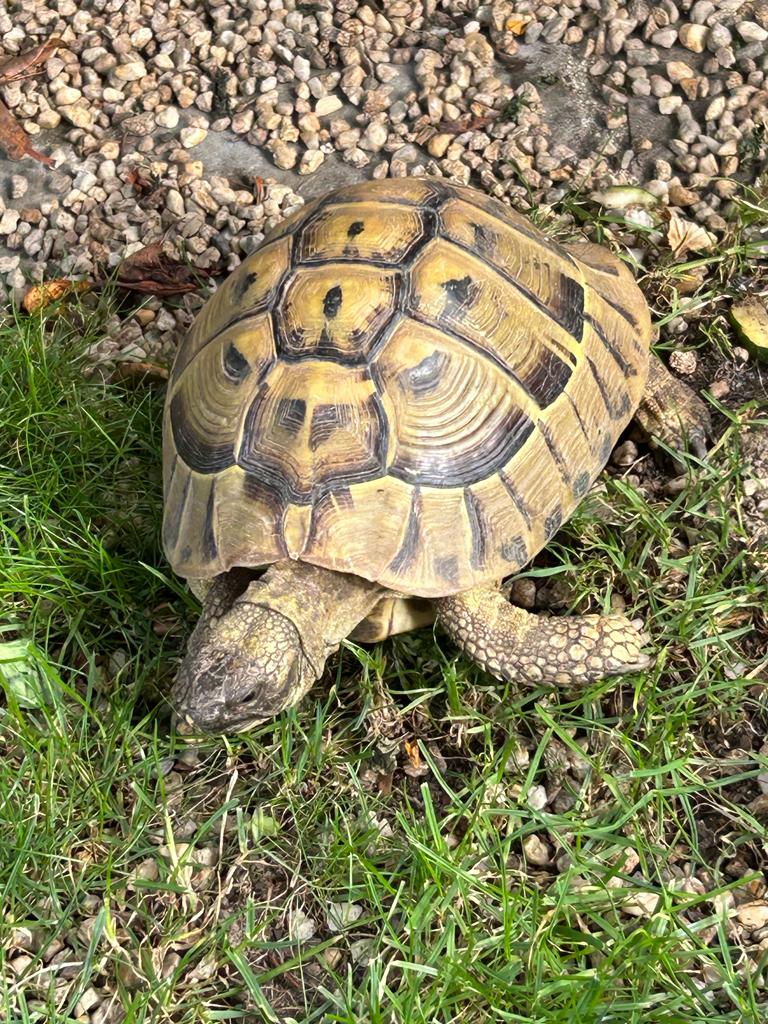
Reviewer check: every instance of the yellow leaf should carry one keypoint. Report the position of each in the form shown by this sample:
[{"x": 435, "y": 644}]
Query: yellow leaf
[
  {"x": 41, "y": 295},
  {"x": 517, "y": 23}
]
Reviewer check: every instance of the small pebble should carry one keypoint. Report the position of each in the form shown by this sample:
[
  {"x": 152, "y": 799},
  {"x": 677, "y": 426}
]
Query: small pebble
[
  {"x": 536, "y": 851},
  {"x": 191, "y": 137},
  {"x": 341, "y": 915},
  {"x": 753, "y": 915},
  {"x": 131, "y": 72}
]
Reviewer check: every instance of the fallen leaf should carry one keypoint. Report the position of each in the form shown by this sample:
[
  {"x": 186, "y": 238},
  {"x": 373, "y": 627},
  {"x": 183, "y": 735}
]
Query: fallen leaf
[
  {"x": 620, "y": 197},
  {"x": 41, "y": 295},
  {"x": 750, "y": 318},
  {"x": 684, "y": 235},
  {"x": 23, "y": 63},
  {"x": 27, "y": 673},
  {"x": 15, "y": 140},
  {"x": 139, "y": 373},
  {"x": 517, "y": 23},
  {"x": 135, "y": 178},
  {"x": 470, "y": 124},
  {"x": 153, "y": 272},
  {"x": 415, "y": 767}
]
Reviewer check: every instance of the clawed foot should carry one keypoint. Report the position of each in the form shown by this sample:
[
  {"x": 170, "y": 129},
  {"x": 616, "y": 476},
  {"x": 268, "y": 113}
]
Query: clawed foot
[
  {"x": 673, "y": 413},
  {"x": 582, "y": 649}
]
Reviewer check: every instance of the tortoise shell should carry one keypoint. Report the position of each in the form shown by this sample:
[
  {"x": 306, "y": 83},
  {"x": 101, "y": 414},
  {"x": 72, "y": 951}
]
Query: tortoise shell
[{"x": 406, "y": 381}]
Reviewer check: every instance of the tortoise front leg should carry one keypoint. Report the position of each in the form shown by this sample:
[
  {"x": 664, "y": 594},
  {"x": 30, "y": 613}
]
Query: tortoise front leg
[
  {"x": 515, "y": 645},
  {"x": 670, "y": 411}
]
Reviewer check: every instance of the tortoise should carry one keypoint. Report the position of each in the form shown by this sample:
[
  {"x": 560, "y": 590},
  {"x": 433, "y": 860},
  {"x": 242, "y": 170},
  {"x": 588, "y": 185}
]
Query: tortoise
[{"x": 384, "y": 412}]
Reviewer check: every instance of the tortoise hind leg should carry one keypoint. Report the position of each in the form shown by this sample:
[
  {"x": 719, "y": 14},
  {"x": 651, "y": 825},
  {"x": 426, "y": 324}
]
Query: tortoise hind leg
[
  {"x": 672, "y": 412},
  {"x": 519, "y": 647}
]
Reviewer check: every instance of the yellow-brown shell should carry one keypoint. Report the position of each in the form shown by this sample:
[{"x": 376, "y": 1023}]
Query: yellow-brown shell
[{"x": 408, "y": 382}]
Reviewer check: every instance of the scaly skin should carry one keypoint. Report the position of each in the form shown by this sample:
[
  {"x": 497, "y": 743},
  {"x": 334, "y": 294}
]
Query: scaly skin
[
  {"x": 672, "y": 412},
  {"x": 519, "y": 647},
  {"x": 258, "y": 647}
]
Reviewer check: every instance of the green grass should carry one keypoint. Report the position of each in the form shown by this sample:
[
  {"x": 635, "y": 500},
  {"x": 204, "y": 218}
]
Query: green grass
[{"x": 170, "y": 878}]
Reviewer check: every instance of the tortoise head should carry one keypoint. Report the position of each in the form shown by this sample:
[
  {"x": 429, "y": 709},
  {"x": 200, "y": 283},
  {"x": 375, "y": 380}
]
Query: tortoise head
[{"x": 241, "y": 668}]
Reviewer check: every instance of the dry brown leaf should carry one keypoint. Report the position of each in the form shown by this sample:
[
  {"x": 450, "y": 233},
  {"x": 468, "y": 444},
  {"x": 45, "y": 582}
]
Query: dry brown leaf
[
  {"x": 684, "y": 236},
  {"x": 152, "y": 272},
  {"x": 21, "y": 65},
  {"x": 415, "y": 766},
  {"x": 142, "y": 373},
  {"x": 467, "y": 124},
  {"x": 138, "y": 180},
  {"x": 43, "y": 294},
  {"x": 15, "y": 141}
]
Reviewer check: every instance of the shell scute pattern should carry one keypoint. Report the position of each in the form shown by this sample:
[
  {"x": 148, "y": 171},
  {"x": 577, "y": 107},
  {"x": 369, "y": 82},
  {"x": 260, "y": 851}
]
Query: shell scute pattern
[{"x": 407, "y": 382}]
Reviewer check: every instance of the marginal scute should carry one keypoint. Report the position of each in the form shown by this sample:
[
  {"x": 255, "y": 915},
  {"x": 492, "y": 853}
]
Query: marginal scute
[
  {"x": 407, "y": 382},
  {"x": 247, "y": 291},
  {"x": 208, "y": 408}
]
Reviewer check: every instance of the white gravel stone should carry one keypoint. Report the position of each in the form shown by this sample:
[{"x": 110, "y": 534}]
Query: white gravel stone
[
  {"x": 641, "y": 904},
  {"x": 168, "y": 117},
  {"x": 753, "y": 915},
  {"x": 191, "y": 137},
  {"x": 715, "y": 109},
  {"x": 302, "y": 68},
  {"x": 327, "y": 105},
  {"x": 9, "y": 220},
  {"x": 66, "y": 96},
  {"x": 174, "y": 202},
  {"x": 311, "y": 161},
  {"x": 131, "y": 72},
  {"x": 341, "y": 915},
  {"x": 84, "y": 180},
  {"x": 536, "y": 851},
  {"x": 669, "y": 104},
  {"x": 537, "y": 798},
  {"x": 19, "y": 186},
  {"x": 694, "y": 37},
  {"x": 301, "y": 927},
  {"x": 77, "y": 115},
  {"x": 751, "y": 32}
]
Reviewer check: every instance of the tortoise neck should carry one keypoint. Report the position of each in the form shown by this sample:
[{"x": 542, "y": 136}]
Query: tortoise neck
[{"x": 324, "y": 605}]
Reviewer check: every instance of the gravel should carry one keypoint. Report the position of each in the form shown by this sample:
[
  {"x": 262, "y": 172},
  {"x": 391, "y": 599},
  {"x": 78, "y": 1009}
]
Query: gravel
[{"x": 204, "y": 131}]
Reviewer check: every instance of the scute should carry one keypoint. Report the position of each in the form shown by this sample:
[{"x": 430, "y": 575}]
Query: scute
[
  {"x": 208, "y": 408},
  {"x": 455, "y": 418},
  {"x": 455, "y": 290},
  {"x": 409, "y": 382},
  {"x": 314, "y": 423},
  {"x": 363, "y": 232},
  {"x": 336, "y": 312},
  {"x": 245, "y": 292}
]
